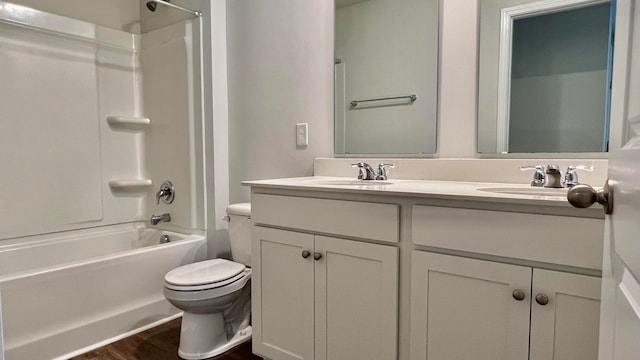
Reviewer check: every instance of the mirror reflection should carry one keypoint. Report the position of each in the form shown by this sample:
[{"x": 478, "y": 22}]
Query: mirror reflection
[
  {"x": 545, "y": 74},
  {"x": 386, "y": 77}
]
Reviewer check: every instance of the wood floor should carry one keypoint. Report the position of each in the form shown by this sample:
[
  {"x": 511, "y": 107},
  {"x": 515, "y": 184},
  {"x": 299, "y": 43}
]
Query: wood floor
[{"x": 159, "y": 343}]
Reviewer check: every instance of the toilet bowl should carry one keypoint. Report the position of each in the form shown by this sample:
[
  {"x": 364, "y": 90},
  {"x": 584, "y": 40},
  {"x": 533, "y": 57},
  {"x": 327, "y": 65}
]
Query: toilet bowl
[{"x": 215, "y": 295}]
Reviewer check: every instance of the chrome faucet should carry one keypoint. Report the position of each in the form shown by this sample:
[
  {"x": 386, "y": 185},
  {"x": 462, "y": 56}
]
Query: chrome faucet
[
  {"x": 553, "y": 178},
  {"x": 155, "y": 219},
  {"x": 367, "y": 172}
]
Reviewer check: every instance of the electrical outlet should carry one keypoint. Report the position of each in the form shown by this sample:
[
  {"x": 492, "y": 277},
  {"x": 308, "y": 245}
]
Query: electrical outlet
[{"x": 302, "y": 134}]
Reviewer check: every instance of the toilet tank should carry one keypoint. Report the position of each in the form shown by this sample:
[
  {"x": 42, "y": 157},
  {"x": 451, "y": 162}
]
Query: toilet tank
[{"x": 240, "y": 232}]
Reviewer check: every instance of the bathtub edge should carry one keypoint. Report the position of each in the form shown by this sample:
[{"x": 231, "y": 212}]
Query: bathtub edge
[{"x": 113, "y": 339}]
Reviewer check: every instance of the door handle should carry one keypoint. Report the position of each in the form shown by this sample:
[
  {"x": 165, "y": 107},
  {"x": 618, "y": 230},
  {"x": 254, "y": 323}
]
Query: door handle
[{"x": 583, "y": 196}]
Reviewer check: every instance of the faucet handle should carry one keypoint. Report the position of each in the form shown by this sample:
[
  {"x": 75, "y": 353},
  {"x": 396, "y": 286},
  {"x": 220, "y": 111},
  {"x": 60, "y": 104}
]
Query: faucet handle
[
  {"x": 366, "y": 172},
  {"x": 166, "y": 192},
  {"x": 361, "y": 172},
  {"x": 383, "y": 170},
  {"x": 538, "y": 176},
  {"x": 571, "y": 176}
]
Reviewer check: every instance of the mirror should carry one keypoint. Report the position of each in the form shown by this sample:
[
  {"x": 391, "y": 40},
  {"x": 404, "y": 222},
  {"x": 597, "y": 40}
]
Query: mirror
[
  {"x": 386, "y": 77},
  {"x": 544, "y": 76}
]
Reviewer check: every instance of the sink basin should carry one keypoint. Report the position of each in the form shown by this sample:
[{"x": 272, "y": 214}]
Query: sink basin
[
  {"x": 343, "y": 182},
  {"x": 530, "y": 191}
]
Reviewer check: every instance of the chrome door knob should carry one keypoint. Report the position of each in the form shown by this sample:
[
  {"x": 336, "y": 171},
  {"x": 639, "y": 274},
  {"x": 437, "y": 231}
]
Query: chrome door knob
[
  {"x": 306, "y": 254},
  {"x": 542, "y": 299},
  {"x": 583, "y": 196},
  {"x": 317, "y": 256},
  {"x": 518, "y": 294}
]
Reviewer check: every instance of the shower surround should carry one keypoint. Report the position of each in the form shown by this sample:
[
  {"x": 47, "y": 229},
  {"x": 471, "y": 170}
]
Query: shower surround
[{"x": 94, "y": 119}]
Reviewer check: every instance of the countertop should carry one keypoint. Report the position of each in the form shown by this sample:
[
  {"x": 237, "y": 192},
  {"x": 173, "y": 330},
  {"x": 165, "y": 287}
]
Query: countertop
[{"x": 447, "y": 190}]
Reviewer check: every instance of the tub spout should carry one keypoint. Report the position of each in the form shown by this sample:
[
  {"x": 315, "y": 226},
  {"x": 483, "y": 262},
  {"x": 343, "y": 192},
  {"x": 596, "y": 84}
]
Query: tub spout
[{"x": 155, "y": 219}]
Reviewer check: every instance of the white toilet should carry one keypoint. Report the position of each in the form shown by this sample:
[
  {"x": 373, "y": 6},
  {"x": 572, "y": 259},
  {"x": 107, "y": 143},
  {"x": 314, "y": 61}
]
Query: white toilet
[{"x": 215, "y": 294}]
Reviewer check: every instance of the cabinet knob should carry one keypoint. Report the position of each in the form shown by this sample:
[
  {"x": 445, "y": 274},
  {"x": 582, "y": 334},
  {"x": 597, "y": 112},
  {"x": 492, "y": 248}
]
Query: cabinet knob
[
  {"x": 518, "y": 294},
  {"x": 306, "y": 253},
  {"x": 317, "y": 256},
  {"x": 542, "y": 299}
]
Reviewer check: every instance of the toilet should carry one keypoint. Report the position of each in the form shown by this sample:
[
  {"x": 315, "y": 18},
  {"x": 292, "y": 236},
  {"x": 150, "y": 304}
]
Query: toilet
[{"x": 215, "y": 294}]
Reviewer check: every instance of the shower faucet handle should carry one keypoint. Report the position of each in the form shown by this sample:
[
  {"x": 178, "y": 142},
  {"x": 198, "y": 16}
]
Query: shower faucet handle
[{"x": 166, "y": 193}]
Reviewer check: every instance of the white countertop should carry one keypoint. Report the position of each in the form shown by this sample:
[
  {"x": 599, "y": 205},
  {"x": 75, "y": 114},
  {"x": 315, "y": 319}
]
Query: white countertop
[{"x": 451, "y": 190}]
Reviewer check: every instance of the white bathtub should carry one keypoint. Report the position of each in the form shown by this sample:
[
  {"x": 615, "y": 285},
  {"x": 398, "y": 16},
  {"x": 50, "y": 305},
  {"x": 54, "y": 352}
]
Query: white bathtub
[{"x": 66, "y": 294}]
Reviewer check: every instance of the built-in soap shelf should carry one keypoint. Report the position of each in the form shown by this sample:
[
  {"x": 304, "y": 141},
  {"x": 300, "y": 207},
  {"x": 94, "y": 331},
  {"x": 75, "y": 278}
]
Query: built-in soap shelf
[
  {"x": 128, "y": 122},
  {"x": 129, "y": 184}
]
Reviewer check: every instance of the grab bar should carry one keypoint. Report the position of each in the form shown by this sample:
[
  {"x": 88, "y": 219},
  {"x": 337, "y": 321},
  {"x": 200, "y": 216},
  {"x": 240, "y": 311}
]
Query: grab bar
[{"x": 412, "y": 97}]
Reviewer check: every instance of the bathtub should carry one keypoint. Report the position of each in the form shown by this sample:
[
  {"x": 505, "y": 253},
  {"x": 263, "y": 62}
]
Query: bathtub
[{"x": 69, "y": 293}]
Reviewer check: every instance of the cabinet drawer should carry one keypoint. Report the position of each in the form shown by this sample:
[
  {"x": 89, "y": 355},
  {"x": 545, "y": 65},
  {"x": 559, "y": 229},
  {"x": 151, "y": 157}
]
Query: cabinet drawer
[
  {"x": 561, "y": 240},
  {"x": 348, "y": 218}
]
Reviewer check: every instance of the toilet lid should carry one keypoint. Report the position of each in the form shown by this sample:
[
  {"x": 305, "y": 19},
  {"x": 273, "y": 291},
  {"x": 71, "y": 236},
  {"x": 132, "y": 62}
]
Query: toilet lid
[{"x": 204, "y": 272}]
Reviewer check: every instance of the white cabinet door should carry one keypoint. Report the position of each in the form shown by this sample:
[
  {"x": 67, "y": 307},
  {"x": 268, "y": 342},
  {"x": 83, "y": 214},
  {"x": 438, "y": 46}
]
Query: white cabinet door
[
  {"x": 282, "y": 294},
  {"x": 465, "y": 309},
  {"x": 356, "y": 300},
  {"x": 565, "y": 327}
]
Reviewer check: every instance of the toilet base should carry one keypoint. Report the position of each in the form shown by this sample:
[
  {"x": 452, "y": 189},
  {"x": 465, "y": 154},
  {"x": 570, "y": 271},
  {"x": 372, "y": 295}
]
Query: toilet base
[
  {"x": 194, "y": 347},
  {"x": 240, "y": 337}
]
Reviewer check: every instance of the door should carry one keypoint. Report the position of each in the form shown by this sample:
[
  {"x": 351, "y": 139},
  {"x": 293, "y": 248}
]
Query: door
[
  {"x": 565, "y": 312},
  {"x": 467, "y": 309},
  {"x": 356, "y": 300},
  {"x": 620, "y": 321},
  {"x": 282, "y": 294}
]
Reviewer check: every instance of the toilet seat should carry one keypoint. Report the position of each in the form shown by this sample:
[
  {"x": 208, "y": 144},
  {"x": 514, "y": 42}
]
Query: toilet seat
[
  {"x": 204, "y": 275},
  {"x": 195, "y": 294}
]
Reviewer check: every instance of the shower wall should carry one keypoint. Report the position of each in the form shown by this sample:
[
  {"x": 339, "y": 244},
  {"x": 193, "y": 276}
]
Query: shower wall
[
  {"x": 65, "y": 166},
  {"x": 116, "y": 14},
  {"x": 170, "y": 58},
  {"x": 59, "y": 152}
]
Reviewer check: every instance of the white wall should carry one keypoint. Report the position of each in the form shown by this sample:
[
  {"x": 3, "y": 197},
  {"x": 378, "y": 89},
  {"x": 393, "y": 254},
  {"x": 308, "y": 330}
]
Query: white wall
[
  {"x": 458, "y": 79},
  {"x": 280, "y": 63},
  {"x": 280, "y": 73},
  {"x": 117, "y": 14}
]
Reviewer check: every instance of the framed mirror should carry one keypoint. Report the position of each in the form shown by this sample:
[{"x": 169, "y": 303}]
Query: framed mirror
[
  {"x": 545, "y": 76},
  {"x": 386, "y": 70}
]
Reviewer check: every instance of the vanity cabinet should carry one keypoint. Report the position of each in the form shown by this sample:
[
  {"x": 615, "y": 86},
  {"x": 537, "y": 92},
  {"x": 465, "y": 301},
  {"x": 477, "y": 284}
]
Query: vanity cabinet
[
  {"x": 421, "y": 275},
  {"x": 469, "y": 306},
  {"x": 464, "y": 308},
  {"x": 323, "y": 298}
]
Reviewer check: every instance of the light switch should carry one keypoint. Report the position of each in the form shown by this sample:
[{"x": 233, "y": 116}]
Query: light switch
[{"x": 302, "y": 134}]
